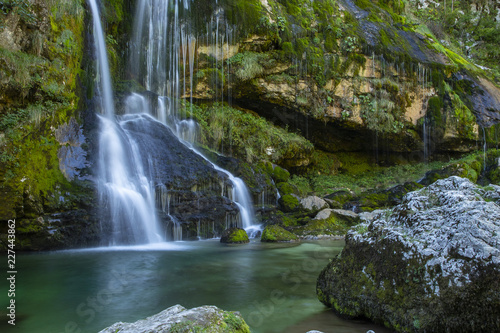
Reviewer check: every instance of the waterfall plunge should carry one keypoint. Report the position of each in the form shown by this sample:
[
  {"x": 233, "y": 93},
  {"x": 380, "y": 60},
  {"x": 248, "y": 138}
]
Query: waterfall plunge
[
  {"x": 124, "y": 190},
  {"x": 162, "y": 48}
]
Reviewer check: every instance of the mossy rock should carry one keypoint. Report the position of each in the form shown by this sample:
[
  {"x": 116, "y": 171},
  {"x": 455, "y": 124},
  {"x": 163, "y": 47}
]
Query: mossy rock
[
  {"x": 288, "y": 203},
  {"x": 234, "y": 236},
  {"x": 285, "y": 188},
  {"x": 274, "y": 233},
  {"x": 386, "y": 198},
  {"x": 469, "y": 167},
  {"x": 341, "y": 196},
  {"x": 280, "y": 175},
  {"x": 330, "y": 226}
]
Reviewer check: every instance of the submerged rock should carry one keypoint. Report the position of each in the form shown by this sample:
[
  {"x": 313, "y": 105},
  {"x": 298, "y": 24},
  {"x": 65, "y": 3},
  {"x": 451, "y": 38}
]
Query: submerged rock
[
  {"x": 274, "y": 233},
  {"x": 430, "y": 264},
  {"x": 234, "y": 236},
  {"x": 208, "y": 319}
]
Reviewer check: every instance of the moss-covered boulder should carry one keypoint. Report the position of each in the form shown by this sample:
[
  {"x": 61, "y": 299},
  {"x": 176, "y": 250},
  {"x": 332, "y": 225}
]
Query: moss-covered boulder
[
  {"x": 328, "y": 223},
  {"x": 432, "y": 264},
  {"x": 385, "y": 198},
  {"x": 208, "y": 319},
  {"x": 288, "y": 202},
  {"x": 340, "y": 196},
  {"x": 285, "y": 188},
  {"x": 274, "y": 233},
  {"x": 469, "y": 167},
  {"x": 280, "y": 175},
  {"x": 234, "y": 236}
]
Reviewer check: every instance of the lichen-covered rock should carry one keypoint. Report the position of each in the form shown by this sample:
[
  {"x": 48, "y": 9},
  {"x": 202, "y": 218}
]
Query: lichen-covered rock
[
  {"x": 431, "y": 264},
  {"x": 274, "y": 233},
  {"x": 234, "y": 236},
  {"x": 208, "y": 319},
  {"x": 313, "y": 203}
]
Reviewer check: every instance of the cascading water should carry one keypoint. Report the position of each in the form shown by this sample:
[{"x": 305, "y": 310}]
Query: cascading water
[
  {"x": 125, "y": 191},
  {"x": 162, "y": 49}
]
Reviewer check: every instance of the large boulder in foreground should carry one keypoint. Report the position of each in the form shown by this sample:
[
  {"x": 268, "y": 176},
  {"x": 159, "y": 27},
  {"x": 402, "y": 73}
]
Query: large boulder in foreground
[
  {"x": 208, "y": 319},
  {"x": 432, "y": 264}
]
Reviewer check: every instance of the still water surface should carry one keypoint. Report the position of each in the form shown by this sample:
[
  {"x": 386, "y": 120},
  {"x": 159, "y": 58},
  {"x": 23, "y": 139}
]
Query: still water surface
[{"x": 271, "y": 285}]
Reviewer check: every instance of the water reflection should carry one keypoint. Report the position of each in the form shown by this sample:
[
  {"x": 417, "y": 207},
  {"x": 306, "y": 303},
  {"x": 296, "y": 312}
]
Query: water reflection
[{"x": 273, "y": 286}]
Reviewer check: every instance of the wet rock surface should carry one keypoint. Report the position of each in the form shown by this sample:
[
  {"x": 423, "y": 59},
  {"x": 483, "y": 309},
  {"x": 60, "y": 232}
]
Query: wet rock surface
[
  {"x": 430, "y": 264},
  {"x": 188, "y": 187}
]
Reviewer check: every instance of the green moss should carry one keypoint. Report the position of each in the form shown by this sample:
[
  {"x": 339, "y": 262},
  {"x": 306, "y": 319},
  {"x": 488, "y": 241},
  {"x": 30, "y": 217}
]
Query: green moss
[
  {"x": 234, "y": 236},
  {"x": 288, "y": 202},
  {"x": 280, "y": 175},
  {"x": 239, "y": 133},
  {"x": 435, "y": 105},
  {"x": 235, "y": 324},
  {"x": 285, "y": 188},
  {"x": 274, "y": 233},
  {"x": 330, "y": 226}
]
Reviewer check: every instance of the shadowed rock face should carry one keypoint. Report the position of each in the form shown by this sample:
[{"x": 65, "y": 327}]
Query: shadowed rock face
[
  {"x": 187, "y": 186},
  {"x": 484, "y": 98},
  {"x": 430, "y": 264}
]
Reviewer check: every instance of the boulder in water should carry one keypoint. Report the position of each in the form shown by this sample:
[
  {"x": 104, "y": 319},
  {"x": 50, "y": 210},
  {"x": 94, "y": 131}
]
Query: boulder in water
[
  {"x": 208, "y": 319},
  {"x": 234, "y": 236},
  {"x": 274, "y": 233},
  {"x": 431, "y": 264}
]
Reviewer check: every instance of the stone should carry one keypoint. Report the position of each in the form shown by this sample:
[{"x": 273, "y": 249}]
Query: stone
[
  {"x": 274, "y": 233},
  {"x": 209, "y": 319},
  {"x": 313, "y": 203},
  {"x": 432, "y": 263},
  {"x": 234, "y": 236},
  {"x": 288, "y": 202},
  {"x": 328, "y": 223}
]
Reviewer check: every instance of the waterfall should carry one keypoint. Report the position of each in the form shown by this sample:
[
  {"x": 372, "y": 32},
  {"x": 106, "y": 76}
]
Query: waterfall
[
  {"x": 125, "y": 191},
  {"x": 163, "y": 51}
]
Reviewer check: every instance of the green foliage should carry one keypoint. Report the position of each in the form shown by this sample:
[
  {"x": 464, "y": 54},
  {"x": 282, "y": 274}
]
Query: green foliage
[
  {"x": 23, "y": 8},
  {"x": 349, "y": 44},
  {"x": 301, "y": 184},
  {"x": 248, "y": 65},
  {"x": 41, "y": 87},
  {"x": 240, "y": 134},
  {"x": 383, "y": 110},
  {"x": 359, "y": 175}
]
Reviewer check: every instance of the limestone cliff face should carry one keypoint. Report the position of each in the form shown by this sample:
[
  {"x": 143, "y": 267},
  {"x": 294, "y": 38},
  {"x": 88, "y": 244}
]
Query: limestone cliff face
[{"x": 346, "y": 73}]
